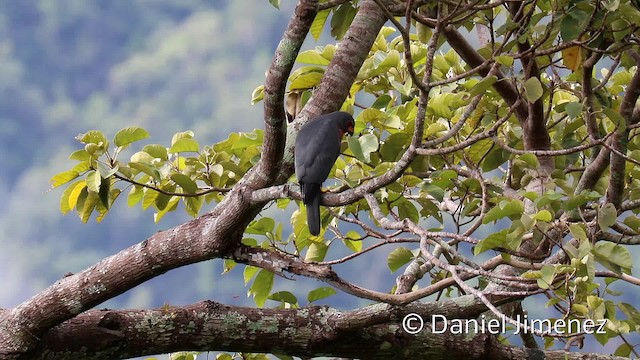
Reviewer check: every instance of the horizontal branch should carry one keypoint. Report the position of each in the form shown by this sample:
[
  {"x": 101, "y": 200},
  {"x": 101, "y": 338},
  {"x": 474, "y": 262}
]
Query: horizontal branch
[{"x": 373, "y": 332}]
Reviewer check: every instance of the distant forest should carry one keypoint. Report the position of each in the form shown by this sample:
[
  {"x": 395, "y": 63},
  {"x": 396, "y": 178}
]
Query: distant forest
[{"x": 70, "y": 66}]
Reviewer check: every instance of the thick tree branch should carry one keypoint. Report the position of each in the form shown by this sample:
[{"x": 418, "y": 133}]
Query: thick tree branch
[{"x": 374, "y": 332}]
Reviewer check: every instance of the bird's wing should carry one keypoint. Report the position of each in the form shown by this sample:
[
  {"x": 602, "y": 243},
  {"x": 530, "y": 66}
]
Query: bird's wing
[{"x": 317, "y": 148}]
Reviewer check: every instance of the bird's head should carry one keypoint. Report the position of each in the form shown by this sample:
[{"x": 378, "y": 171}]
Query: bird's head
[{"x": 345, "y": 122}]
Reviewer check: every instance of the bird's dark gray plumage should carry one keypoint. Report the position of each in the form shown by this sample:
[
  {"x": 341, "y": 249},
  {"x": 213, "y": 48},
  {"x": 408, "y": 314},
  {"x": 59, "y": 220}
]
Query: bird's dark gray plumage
[{"x": 317, "y": 148}]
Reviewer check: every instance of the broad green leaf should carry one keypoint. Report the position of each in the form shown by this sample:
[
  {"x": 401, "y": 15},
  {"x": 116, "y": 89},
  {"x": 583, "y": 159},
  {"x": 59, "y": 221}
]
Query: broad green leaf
[
  {"x": 354, "y": 245},
  {"x": 261, "y": 287},
  {"x": 261, "y": 226},
  {"x": 505, "y": 208},
  {"x": 249, "y": 272},
  {"x": 578, "y": 232},
  {"x": 63, "y": 178},
  {"x": 543, "y": 215},
  {"x": 368, "y": 144},
  {"x": 398, "y": 258},
  {"x": 65, "y": 206},
  {"x": 184, "y": 145},
  {"x": 312, "y": 57},
  {"x": 407, "y": 210},
  {"x": 318, "y": 23},
  {"x": 494, "y": 240},
  {"x": 284, "y": 296},
  {"x": 74, "y": 195},
  {"x": 479, "y": 150},
  {"x": 128, "y": 135},
  {"x": 607, "y": 215},
  {"x": 320, "y": 293},
  {"x": 616, "y": 117},
  {"x": 93, "y": 181},
  {"x": 356, "y": 148},
  {"x": 181, "y": 135},
  {"x": 609, "y": 254},
  {"x": 316, "y": 252},
  {"x": 156, "y": 151},
  {"x": 135, "y": 195},
  {"x": 573, "y": 109},
  {"x": 193, "y": 205},
  {"x": 88, "y": 206},
  {"x": 341, "y": 20},
  {"x": 482, "y": 86},
  {"x": 572, "y": 57},
  {"x": 80, "y": 155},
  {"x": 189, "y": 186},
  {"x": 547, "y": 274},
  {"x": 533, "y": 89},
  {"x": 149, "y": 170},
  {"x": 93, "y": 137},
  {"x": 305, "y": 77}
]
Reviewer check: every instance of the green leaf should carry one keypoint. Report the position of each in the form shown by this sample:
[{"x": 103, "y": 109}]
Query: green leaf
[
  {"x": 543, "y": 215},
  {"x": 75, "y": 194},
  {"x": 398, "y": 258},
  {"x": 320, "y": 293},
  {"x": 616, "y": 118},
  {"x": 608, "y": 254},
  {"x": 356, "y": 148},
  {"x": 181, "y": 135},
  {"x": 505, "y": 208},
  {"x": 93, "y": 181},
  {"x": 369, "y": 144},
  {"x": 498, "y": 239},
  {"x": 406, "y": 210},
  {"x": 261, "y": 226},
  {"x": 578, "y": 232},
  {"x": 261, "y": 287},
  {"x": 88, "y": 206},
  {"x": 318, "y": 23},
  {"x": 305, "y": 77},
  {"x": 548, "y": 273},
  {"x": 257, "y": 94},
  {"x": 249, "y": 272},
  {"x": 533, "y": 89},
  {"x": 607, "y": 215},
  {"x": 623, "y": 350},
  {"x": 80, "y": 155},
  {"x": 149, "y": 170},
  {"x": 184, "y": 145},
  {"x": 93, "y": 137},
  {"x": 317, "y": 251},
  {"x": 482, "y": 86},
  {"x": 63, "y": 178},
  {"x": 573, "y": 109},
  {"x": 193, "y": 205},
  {"x": 284, "y": 296},
  {"x": 312, "y": 57},
  {"x": 275, "y": 3},
  {"x": 156, "y": 151},
  {"x": 65, "y": 207},
  {"x": 189, "y": 186},
  {"x": 341, "y": 20},
  {"x": 128, "y": 135}
]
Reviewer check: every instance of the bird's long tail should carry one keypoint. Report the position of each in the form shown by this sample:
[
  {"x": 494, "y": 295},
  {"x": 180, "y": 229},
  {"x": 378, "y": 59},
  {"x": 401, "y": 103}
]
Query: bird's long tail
[{"x": 312, "y": 200}]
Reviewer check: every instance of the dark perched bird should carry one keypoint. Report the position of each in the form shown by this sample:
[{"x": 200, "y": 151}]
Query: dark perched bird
[{"x": 317, "y": 148}]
